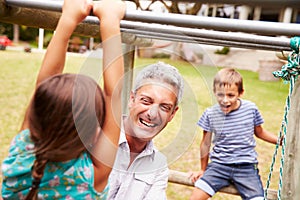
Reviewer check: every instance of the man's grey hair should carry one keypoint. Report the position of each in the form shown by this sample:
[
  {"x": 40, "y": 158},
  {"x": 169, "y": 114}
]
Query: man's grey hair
[{"x": 163, "y": 73}]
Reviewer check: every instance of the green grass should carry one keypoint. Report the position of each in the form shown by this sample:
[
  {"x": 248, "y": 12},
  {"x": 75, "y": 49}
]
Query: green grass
[{"x": 181, "y": 138}]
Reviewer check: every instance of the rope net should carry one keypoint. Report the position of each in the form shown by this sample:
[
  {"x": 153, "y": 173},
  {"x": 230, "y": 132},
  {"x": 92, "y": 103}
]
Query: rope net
[{"x": 289, "y": 74}]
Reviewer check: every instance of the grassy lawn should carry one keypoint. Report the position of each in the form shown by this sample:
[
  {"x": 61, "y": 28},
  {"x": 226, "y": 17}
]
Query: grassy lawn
[{"x": 180, "y": 140}]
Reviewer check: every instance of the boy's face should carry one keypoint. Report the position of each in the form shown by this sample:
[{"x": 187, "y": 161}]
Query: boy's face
[
  {"x": 150, "y": 110},
  {"x": 228, "y": 97}
]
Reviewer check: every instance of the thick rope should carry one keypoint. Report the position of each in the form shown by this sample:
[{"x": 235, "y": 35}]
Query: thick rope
[{"x": 289, "y": 73}]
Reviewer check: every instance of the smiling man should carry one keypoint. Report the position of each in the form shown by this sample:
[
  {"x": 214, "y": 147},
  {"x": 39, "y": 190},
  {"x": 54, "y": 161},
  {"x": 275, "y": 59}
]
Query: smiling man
[{"x": 140, "y": 171}]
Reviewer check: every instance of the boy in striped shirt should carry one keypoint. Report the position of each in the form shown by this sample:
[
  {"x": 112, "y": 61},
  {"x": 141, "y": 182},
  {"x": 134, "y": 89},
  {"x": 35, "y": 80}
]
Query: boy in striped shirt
[{"x": 230, "y": 125}]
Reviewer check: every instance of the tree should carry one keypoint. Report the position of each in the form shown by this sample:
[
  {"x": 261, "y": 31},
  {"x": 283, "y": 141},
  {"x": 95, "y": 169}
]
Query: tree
[
  {"x": 16, "y": 33},
  {"x": 172, "y": 7}
]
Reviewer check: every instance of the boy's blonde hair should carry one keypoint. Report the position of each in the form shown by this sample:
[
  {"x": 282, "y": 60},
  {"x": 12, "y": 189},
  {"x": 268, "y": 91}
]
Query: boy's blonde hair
[{"x": 228, "y": 77}]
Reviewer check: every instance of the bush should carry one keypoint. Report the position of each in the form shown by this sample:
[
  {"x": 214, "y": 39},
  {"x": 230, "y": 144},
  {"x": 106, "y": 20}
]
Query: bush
[
  {"x": 223, "y": 51},
  {"x": 161, "y": 55},
  {"x": 47, "y": 38}
]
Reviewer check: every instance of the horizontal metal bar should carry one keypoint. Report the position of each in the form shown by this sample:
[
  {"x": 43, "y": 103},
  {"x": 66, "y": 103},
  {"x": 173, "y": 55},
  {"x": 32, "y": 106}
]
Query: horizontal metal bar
[
  {"x": 265, "y": 3},
  {"x": 50, "y": 5},
  {"x": 221, "y": 24},
  {"x": 192, "y": 35},
  {"x": 219, "y": 38},
  {"x": 201, "y": 33},
  {"x": 197, "y": 40},
  {"x": 180, "y": 34},
  {"x": 216, "y": 23}
]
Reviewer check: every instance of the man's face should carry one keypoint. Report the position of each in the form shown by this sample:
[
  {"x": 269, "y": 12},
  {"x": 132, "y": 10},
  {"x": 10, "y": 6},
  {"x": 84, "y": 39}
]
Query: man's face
[
  {"x": 150, "y": 109},
  {"x": 227, "y": 97}
]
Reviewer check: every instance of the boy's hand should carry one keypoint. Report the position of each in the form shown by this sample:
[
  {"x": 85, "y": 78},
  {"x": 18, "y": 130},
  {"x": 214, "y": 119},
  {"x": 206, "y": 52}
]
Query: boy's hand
[
  {"x": 281, "y": 140},
  {"x": 194, "y": 176}
]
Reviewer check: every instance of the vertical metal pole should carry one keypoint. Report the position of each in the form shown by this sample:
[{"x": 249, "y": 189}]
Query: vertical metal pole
[
  {"x": 244, "y": 13},
  {"x": 41, "y": 39},
  {"x": 91, "y": 44},
  {"x": 206, "y": 10},
  {"x": 257, "y": 13},
  {"x": 128, "y": 52},
  {"x": 295, "y": 15},
  {"x": 287, "y": 16},
  {"x": 214, "y": 11}
]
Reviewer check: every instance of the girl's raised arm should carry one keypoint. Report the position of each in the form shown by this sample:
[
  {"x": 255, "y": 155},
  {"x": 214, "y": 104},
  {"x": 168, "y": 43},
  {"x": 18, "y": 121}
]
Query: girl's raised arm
[
  {"x": 110, "y": 14},
  {"x": 74, "y": 11}
]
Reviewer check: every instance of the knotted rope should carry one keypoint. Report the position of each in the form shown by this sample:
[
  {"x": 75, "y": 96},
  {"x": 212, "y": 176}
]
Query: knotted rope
[{"x": 289, "y": 73}]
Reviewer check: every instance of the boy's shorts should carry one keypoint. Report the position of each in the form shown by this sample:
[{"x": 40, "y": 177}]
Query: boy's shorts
[{"x": 245, "y": 177}]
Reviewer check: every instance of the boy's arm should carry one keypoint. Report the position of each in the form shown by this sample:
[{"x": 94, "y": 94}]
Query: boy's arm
[
  {"x": 265, "y": 135},
  {"x": 110, "y": 14},
  {"x": 204, "y": 156},
  {"x": 204, "y": 149},
  {"x": 74, "y": 11}
]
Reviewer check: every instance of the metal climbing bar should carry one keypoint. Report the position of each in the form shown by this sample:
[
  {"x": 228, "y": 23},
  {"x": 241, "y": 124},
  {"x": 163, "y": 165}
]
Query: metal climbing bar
[
  {"x": 209, "y": 41},
  {"x": 220, "y": 24},
  {"x": 50, "y": 5},
  {"x": 201, "y": 36},
  {"x": 184, "y": 28},
  {"x": 203, "y": 33},
  {"x": 215, "y": 23},
  {"x": 153, "y": 26},
  {"x": 157, "y": 31}
]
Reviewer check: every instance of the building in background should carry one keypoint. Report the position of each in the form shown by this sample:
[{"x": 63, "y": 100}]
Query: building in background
[{"x": 287, "y": 11}]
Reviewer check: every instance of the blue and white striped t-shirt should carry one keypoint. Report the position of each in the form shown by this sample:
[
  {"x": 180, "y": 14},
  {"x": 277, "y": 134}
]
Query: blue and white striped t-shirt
[{"x": 233, "y": 133}]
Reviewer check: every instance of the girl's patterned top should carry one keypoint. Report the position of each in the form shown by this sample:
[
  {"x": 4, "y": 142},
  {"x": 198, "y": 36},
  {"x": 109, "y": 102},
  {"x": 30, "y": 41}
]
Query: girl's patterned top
[{"x": 68, "y": 180}]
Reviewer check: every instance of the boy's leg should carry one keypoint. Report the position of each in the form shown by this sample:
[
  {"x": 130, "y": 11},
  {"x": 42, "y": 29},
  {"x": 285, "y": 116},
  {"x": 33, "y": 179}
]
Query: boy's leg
[
  {"x": 248, "y": 183},
  {"x": 215, "y": 177},
  {"x": 199, "y": 194}
]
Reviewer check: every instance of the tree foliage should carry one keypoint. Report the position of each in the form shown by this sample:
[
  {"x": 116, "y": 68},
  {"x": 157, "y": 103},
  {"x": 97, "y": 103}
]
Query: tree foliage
[
  {"x": 6, "y": 29},
  {"x": 171, "y": 6}
]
